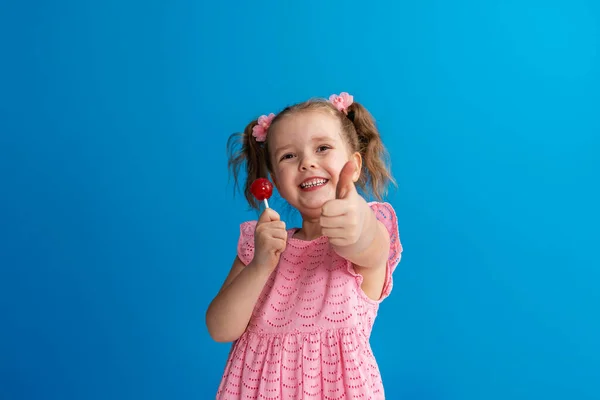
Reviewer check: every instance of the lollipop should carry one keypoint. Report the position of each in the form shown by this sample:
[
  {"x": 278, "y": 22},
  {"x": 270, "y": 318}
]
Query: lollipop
[{"x": 262, "y": 190}]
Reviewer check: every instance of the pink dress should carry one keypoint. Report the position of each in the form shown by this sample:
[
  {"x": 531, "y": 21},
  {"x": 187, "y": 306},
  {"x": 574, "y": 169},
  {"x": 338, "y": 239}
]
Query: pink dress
[{"x": 308, "y": 337}]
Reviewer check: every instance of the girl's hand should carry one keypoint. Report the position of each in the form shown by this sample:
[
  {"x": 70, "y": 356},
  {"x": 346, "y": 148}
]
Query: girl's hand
[
  {"x": 342, "y": 219},
  {"x": 270, "y": 238}
]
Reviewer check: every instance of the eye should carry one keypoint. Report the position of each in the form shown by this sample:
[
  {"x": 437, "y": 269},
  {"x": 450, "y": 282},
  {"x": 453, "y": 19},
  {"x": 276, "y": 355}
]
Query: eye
[
  {"x": 286, "y": 156},
  {"x": 323, "y": 148}
]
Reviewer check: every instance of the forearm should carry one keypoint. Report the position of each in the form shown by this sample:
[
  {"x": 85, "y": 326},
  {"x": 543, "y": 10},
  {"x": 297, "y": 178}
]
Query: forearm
[
  {"x": 371, "y": 248},
  {"x": 229, "y": 313}
]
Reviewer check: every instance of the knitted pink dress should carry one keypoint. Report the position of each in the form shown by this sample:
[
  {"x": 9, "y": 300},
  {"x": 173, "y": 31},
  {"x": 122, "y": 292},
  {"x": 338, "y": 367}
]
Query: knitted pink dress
[{"x": 308, "y": 337}]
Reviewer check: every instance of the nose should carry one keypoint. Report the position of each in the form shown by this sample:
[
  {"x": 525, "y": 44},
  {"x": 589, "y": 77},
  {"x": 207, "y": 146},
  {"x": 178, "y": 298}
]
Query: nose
[{"x": 307, "y": 163}]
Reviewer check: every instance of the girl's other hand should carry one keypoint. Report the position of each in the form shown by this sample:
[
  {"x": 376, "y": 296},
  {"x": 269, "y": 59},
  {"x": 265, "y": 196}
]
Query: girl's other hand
[{"x": 270, "y": 239}]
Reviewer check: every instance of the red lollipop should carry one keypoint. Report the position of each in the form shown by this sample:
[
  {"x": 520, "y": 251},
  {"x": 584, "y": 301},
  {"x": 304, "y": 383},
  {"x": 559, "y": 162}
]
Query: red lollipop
[{"x": 262, "y": 189}]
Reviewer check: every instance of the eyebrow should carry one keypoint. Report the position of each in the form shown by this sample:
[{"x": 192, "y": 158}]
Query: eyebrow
[
  {"x": 322, "y": 139},
  {"x": 280, "y": 149}
]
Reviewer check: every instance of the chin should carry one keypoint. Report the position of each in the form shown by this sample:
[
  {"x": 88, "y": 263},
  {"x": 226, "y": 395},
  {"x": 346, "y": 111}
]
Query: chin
[
  {"x": 313, "y": 207},
  {"x": 310, "y": 213}
]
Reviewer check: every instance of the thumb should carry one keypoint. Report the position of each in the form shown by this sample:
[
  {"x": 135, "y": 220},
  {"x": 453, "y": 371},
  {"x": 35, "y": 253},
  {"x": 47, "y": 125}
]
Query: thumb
[{"x": 345, "y": 185}]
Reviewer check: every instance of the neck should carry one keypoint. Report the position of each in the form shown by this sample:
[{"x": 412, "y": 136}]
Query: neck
[{"x": 311, "y": 229}]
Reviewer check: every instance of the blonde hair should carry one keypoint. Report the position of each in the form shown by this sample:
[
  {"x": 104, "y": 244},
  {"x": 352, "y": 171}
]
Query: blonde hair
[{"x": 360, "y": 132}]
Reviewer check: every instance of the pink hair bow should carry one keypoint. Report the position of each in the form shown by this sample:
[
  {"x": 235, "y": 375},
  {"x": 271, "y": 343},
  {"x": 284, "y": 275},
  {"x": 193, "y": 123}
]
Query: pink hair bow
[
  {"x": 341, "y": 102},
  {"x": 259, "y": 131}
]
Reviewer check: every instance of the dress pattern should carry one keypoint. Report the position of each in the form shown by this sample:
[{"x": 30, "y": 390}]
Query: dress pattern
[{"x": 308, "y": 337}]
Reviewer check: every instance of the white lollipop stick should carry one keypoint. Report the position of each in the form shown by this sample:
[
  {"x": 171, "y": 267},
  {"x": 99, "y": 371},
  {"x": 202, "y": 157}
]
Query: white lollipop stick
[{"x": 266, "y": 203}]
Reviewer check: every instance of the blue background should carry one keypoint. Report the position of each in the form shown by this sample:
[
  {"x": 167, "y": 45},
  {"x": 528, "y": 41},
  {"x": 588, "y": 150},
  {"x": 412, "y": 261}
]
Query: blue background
[{"x": 118, "y": 223}]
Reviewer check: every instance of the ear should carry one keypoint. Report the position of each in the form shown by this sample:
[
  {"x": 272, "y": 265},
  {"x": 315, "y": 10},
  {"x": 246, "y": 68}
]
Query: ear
[{"x": 357, "y": 159}]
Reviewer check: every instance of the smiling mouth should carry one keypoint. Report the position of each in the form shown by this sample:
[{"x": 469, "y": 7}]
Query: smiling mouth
[{"x": 313, "y": 183}]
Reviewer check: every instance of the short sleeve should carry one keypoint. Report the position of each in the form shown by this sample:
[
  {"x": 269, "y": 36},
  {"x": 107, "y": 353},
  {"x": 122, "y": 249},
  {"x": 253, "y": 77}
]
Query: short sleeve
[
  {"x": 385, "y": 213},
  {"x": 245, "y": 248}
]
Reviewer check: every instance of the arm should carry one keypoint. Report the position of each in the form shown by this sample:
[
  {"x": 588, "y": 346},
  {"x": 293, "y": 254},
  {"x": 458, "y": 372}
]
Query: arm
[
  {"x": 369, "y": 254},
  {"x": 355, "y": 233},
  {"x": 229, "y": 313}
]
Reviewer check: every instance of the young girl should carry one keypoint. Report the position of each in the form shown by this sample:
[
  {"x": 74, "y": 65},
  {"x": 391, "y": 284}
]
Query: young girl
[{"x": 299, "y": 304}]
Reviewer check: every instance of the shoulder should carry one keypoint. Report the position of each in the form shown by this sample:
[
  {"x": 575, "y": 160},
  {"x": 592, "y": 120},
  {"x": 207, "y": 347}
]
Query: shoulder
[
  {"x": 245, "y": 246},
  {"x": 247, "y": 228},
  {"x": 384, "y": 212}
]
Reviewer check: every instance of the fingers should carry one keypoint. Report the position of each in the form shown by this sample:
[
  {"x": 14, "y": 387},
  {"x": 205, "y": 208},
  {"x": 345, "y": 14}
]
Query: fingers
[
  {"x": 341, "y": 236},
  {"x": 347, "y": 231},
  {"x": 280, "y": 244},
  {"x": 276, "y": 228},
  {"x": 269, "y": 215},
  {"x": 270, "y": 239},
  {"x": 275, "y": 242},
  {"x": 339, "y": 221},
  {"x": 335, "y": 208},
  {"x": 270, "y": 225},
  {"x": 333, "y": 233},
  {"x": 272, "y": 234}
]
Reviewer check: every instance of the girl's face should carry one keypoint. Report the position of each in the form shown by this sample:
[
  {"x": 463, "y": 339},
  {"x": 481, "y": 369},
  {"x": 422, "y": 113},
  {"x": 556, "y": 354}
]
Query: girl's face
[{"x": 308, "y": 151}]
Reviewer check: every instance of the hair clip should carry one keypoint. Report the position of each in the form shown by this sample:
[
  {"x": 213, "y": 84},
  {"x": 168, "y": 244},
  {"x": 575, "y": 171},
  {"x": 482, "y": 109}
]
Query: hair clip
[
  {"x": 259, "y": 131},
  {"x": 341, "y": 101}
]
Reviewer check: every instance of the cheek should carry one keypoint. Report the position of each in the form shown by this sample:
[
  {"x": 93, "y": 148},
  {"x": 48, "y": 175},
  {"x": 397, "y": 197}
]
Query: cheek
[
  {"x": 338, "y": 160},
  {"x": 281, "y": 176}
]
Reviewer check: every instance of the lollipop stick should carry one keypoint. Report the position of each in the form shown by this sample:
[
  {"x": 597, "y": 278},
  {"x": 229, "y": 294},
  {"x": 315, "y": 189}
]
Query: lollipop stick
[{"x": 266, "y": 203}]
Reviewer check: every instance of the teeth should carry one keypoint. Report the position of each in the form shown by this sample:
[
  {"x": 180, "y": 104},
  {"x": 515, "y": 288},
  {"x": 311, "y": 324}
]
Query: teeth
[{"x": 313, "y": 182}]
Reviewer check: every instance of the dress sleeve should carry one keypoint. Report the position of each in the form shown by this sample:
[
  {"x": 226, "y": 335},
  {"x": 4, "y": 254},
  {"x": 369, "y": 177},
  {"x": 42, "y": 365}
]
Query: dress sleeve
[
  {"x": 245, "y": 248},
  {"x": 385, "y": 213}
]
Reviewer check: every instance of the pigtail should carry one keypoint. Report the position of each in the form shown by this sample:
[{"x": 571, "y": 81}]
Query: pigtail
[
  {"x": 376, "y": 160},
  {"x": 242, "y": 148}
]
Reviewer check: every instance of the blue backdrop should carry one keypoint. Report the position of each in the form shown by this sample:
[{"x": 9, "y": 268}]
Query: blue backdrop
[{"x": 118, "y": 223}]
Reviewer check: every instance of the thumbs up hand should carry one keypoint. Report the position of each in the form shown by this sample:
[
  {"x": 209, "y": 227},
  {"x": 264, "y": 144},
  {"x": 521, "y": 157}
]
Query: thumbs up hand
[{"x": 342, "y": 219}]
